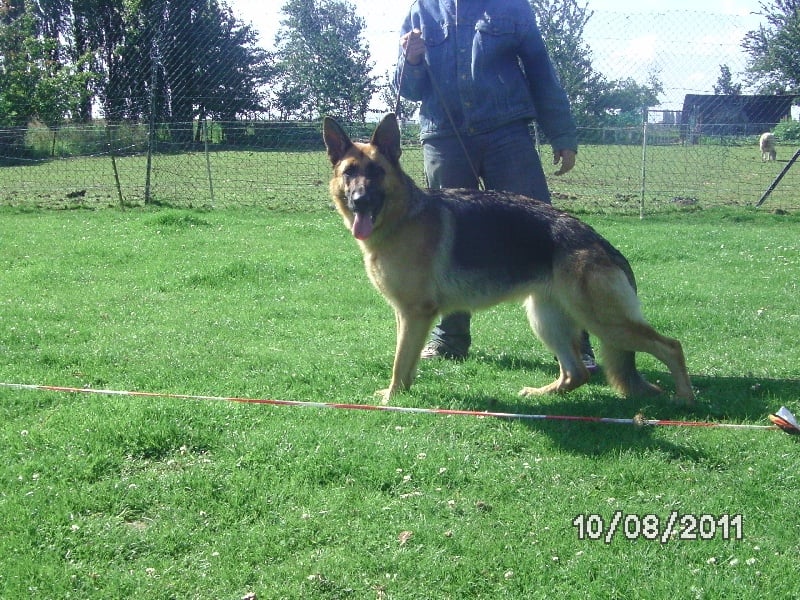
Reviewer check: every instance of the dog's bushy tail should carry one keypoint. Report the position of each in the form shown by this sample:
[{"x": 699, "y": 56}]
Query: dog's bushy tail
[{"x": 620, "y": 369}]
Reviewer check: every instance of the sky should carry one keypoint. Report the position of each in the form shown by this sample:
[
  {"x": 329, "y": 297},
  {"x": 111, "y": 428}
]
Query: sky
[{"x": 683, "y": 42}]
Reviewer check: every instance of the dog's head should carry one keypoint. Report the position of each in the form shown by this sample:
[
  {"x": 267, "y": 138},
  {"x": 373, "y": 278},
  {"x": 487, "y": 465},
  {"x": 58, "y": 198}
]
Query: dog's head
[{"x": 358, "y": 185}]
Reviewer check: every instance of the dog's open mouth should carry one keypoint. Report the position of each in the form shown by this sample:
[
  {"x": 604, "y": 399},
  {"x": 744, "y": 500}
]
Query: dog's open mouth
[{"x": 363, "y": 223}]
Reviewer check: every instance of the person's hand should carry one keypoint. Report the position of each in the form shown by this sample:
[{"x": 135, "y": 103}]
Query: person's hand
[
  {"x": 413, "y": 47},
  {"x": 567, "y": 160}
]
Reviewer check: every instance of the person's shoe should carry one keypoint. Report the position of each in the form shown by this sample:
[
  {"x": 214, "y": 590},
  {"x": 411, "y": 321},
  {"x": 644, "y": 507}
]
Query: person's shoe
[
  {"x": 590, "y": 363},
  {"x": 441, "y": 349},
  {"x": 587, "y": 354}
]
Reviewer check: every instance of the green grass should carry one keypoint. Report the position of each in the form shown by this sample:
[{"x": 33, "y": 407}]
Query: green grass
[{"x": 130, "y": 497}]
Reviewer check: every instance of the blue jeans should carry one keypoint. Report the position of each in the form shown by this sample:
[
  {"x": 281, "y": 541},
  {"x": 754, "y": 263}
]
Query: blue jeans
[{"x": 504, "y": 159}]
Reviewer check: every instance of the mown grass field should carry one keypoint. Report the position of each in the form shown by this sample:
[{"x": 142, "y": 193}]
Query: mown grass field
[{"x": 131, "y": 497}]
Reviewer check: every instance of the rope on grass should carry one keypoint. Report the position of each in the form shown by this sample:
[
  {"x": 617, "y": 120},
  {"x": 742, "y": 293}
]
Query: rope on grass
[{"x": 783, "y": 419}]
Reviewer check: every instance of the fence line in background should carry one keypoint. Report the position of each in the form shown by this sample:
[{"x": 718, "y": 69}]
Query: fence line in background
[
  {"x": 692, "y": 151},
  {"x": 638, "y": 169}
]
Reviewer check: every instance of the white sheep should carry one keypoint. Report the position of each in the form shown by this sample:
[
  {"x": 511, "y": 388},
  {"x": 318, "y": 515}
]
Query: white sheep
[{"x": 767, "y": 144}]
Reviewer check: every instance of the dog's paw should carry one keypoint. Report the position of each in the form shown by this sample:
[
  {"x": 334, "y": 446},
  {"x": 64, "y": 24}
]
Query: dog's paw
[
  {"x": 557, "y": 387},
  {"x": 685, "y": 399},
  {"x": 531, "y": 391},
  {"x": 384, "y": 396}
]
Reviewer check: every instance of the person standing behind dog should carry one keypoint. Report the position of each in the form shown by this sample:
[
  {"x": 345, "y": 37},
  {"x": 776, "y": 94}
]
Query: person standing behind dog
[{"x": 482, "y": 73}]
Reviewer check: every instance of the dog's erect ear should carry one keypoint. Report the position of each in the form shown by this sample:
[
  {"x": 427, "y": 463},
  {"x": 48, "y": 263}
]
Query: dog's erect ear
[
  {"x": 387, "y": 138},
  {"x": 336, "y": 140}
]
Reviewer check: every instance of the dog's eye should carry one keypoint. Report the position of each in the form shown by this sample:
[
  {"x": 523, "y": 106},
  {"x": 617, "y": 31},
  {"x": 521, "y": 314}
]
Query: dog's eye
[
  {"x": 350, "y": 171},
  {"x": 374, "y": 171}
]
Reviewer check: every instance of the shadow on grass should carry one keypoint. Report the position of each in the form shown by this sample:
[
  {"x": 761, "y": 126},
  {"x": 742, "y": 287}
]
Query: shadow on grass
[
  {"x": 745, "y": 399},
  {"x": 587, "y": 438}
]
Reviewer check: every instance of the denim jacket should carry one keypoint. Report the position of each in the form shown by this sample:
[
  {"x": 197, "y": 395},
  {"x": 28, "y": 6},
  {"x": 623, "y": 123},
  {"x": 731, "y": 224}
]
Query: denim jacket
[{"x": 486, "y": 61}]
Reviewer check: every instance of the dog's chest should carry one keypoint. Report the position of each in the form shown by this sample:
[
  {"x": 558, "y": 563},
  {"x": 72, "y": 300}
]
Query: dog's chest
[{"x": 402, "y": 273}]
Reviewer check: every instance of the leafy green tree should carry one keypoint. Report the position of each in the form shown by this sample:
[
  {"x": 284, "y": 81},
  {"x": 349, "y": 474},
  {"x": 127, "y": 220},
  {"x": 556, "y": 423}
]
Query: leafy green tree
[
  {"x": 596, "y": 102},
  {"x": 98, "y": 31},
  {"x": 725, "y": 85},
  {"x": 562, "y": 23},
  {"x": 235, "y": 69},
  {"x": 323, "y": 60},
  {"x": 34, "y": 84},
  {"x": 181, "y": 59},
  {"x": 622, "y": 101},
  {"x": 210, "y": 62},
  {"x": 16, "y": 31},
  {"x": 774, "y": 48},
  {"x": 404, "y": 109}
]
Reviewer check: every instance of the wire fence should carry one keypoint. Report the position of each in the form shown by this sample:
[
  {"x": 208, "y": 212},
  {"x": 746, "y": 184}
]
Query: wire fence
[
  {"x": 695, "y": 150},
  {"x": 274, "y": 164}
]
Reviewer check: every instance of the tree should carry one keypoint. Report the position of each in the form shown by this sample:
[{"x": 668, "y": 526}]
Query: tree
[
  {"x": 235, "y": 70},
  {"x": 77, "y": 38},
  {"x": 774, "y": 49},
  {"x": 211, "y": 63},
  {"x": 404, "y": 109},
  {"x": 725, "y": 85},
  {"x": 622, "y": 101},
  {"x": 34, "y": 84},
  {"x": 104, "y": 31},
  {"x": 324, "y": 61},
  {"x": 16, "y": 30},
  {"x": 562, "y": 23},
  {"x": 595, "y": 101}
]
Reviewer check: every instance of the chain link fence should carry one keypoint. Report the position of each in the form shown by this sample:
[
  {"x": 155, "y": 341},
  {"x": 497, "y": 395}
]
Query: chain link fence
[{"x": 684, "y": 153}]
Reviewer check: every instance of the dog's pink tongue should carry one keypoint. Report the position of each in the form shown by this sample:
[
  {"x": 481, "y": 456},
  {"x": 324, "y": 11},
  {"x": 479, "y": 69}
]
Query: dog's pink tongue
[{"x": 362, "y": 226}]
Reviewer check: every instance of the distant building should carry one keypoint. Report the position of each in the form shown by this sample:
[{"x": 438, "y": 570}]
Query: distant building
[{"x": 713, "y": 115}]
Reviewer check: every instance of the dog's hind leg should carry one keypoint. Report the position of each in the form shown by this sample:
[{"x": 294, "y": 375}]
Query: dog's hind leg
[
  {"x": 620, "y": 369},
  {"x": 412, "y": 329},
  {"x": 619, "y": 360},
  {"x": 561, "y": 335},
  {"x": 610, "y": 310}
]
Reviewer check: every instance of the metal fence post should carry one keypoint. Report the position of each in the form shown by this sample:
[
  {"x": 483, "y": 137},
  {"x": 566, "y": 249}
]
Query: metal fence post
[
  {"x": 208, "y": 161},
  {"x": 645, "y": 116}
]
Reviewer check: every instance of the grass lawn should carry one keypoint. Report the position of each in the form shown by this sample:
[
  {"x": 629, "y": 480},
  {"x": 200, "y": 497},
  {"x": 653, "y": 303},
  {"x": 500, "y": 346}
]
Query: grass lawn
[{"x": 130, "y": 497}]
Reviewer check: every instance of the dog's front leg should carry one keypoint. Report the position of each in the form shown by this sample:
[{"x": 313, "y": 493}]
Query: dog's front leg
[{"x": 412, "y": 329}]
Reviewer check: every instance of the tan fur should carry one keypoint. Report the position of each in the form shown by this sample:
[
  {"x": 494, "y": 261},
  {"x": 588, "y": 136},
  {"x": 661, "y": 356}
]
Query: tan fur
[{"x": 408, "y": 255}]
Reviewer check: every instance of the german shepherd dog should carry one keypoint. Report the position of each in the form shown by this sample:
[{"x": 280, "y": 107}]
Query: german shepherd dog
[{"x": 433, "y": 252}]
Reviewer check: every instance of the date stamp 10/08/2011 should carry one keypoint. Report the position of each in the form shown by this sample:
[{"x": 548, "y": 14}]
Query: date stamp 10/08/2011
[{"x": 675, "y": 526}]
